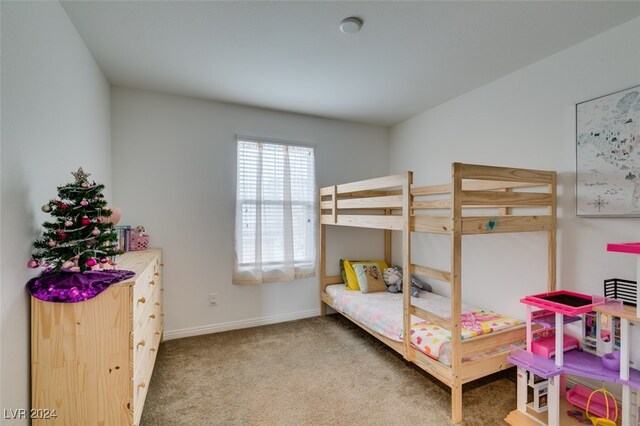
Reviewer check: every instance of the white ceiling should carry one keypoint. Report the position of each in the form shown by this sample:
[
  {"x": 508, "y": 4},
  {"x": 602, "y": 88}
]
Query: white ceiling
[{"x": 290, "y": 56}]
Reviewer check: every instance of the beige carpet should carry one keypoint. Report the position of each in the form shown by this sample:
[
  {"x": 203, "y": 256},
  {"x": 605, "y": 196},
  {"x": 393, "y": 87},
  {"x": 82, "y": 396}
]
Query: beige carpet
[{"x": 316, "y": 371}]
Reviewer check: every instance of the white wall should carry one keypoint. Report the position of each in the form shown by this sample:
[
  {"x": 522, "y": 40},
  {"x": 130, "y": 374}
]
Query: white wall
[
  {"x": 55, "y": 118},
  {"x": 527, "y": 119},
  {"x": 174, "y": 172}
]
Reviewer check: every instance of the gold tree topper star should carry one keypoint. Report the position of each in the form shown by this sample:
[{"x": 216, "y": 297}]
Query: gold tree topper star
[{"x": 80, "y": 175}]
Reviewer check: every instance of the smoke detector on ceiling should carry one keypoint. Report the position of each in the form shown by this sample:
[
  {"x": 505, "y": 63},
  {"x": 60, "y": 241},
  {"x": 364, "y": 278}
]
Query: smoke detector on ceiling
[{"x": 350, "y": 25}]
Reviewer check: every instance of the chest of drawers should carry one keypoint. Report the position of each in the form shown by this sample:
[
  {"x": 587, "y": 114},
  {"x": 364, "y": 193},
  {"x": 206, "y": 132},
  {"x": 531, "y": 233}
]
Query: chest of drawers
[{"x": 92, "y": 361}]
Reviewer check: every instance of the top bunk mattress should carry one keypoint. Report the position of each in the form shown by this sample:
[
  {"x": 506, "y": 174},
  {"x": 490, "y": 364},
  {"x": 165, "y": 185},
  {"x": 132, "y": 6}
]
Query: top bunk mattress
[{"x": 382, "y": 313}]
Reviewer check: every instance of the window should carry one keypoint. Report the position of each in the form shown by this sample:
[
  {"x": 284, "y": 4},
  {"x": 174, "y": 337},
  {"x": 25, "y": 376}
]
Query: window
[{"x": 275, "y": 235}]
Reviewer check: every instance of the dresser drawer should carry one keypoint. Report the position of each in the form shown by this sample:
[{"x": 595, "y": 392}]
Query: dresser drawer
[
  {"x": 143, "y": 364},
  {"x": 145, "y": 329},
  {"x": 139, "y": 394},
  {"x": 143, "y": 370},
  {"x": 143, "y": 290}
]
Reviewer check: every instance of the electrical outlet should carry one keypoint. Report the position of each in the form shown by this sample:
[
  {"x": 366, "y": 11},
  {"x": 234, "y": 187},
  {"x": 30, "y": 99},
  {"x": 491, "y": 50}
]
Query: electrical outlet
[{"x": 213, "y": 299}]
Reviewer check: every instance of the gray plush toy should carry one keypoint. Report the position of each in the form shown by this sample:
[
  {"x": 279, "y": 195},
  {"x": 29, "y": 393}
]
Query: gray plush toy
[{"x": 393, "y": 279}]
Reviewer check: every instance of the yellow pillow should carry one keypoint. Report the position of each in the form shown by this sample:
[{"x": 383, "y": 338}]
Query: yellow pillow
[{"x": 352, "y": 279}]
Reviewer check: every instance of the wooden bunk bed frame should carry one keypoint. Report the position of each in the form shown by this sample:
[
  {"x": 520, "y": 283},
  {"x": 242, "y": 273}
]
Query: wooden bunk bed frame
[{"x": 391, "y": 203}]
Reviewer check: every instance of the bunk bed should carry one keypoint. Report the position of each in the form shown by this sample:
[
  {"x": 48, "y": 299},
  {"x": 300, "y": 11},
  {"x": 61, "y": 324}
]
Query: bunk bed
[{"x": 464, "y": 206}]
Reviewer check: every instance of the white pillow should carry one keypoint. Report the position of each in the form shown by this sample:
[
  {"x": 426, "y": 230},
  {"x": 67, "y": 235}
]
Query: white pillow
[{"x": 369, "y": 277}]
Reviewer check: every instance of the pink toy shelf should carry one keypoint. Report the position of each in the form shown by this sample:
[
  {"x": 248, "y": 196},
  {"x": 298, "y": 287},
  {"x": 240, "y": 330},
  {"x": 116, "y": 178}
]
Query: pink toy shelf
[{"x": 564, "y": 302}]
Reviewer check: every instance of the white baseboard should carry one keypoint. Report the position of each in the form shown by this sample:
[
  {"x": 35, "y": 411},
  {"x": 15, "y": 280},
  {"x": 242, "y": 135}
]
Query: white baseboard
[{"x": 235, "y": 325}]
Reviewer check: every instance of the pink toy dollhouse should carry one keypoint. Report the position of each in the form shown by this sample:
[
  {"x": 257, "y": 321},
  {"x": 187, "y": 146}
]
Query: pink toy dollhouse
[{"x": 547, "y": 314}]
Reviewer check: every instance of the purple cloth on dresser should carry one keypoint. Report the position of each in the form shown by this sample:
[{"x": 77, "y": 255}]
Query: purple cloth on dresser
[{"x": 71, "y": 287}]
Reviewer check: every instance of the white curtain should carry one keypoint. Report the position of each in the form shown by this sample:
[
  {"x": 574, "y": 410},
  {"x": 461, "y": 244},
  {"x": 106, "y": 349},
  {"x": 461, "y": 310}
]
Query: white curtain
[{"x": 275, "y": 234}]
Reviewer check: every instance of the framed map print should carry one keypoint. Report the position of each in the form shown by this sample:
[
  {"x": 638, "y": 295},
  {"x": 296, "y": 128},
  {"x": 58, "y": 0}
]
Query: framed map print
[{"x": 608, "y": 155}]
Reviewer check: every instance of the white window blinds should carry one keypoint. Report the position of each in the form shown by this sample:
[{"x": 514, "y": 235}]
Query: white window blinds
[{"x": 275, "y": 235}]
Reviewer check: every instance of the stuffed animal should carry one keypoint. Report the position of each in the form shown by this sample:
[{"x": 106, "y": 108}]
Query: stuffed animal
[{"x": 393, "y": 279}]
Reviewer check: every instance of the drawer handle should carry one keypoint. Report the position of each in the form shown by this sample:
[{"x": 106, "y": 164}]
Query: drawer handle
[
  {"x": 152, "y": 349},
  {"x": 142, "y": 300},
  {"x": 152, "y": 282},
  {"x": 161, "y": 288},
  {"x": 140, "y": 343},
  {"x": 157, "y": 333},
  {"x": 157, "y": 274},
  {"x": 142, "y": 385},
  {"x": 152, "y": 316},
  {"x": 157, "y": 303},
  {"x": 162, "y": 264}
]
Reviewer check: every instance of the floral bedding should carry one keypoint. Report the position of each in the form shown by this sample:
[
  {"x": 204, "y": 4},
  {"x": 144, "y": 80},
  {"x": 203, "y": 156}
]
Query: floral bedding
[{"x": 382, "y": 313}]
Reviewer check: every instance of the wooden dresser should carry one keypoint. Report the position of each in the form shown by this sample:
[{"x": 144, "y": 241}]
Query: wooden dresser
[{"x": 91, "y": 361}]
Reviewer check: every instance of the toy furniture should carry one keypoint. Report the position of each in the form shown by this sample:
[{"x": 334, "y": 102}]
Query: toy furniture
[
  {"x": 456, "y": 208},
  {"x": 611, "y": 361},
  {"x": 567, "y": 307},
  {"x": 600, "y": 405},
  {"x": 540, "y": 390},
  {"x": 543, "y": 340},
  {"x": 604, "y": 398},
  {"x": 625, "y": 290},
  {"x": 632, "y": 248},
  {"x": 546, "y": 346}
]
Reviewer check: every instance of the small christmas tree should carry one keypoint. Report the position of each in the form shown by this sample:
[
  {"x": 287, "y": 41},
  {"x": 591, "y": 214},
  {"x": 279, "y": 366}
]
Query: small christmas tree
[{"x": 81, "y": 237}]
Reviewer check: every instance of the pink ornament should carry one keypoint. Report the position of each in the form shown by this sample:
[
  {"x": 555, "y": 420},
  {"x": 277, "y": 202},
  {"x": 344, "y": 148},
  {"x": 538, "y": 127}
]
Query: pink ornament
[
  {"x": 68, "y": 223},
  {"x": 104, "y": 260},
  {"x": 85, "y": 184},
  {"x": 116, "y": 215},
  {"x": 91, "y": 262},
  {"x": 99, "y": 220},
  {"x": 68, "y": 264},
  {"x": 51, "y": 243},
  {"x": 84, "y": 203},
  {"x": 95, "y": 231},
  {"x": 33, "y": 263},
  {"x": 85, "y": 221}
]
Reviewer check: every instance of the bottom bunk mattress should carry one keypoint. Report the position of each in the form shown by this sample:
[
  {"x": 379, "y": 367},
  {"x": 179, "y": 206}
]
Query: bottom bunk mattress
[{"x": 382, "y": 313}]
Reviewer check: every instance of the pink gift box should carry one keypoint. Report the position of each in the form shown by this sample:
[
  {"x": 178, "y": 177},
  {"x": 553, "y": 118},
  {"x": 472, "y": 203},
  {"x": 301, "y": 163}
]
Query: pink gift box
[{"x": 139, "y": 242}]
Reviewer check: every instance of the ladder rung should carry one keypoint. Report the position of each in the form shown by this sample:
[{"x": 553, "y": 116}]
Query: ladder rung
[{"x": 436, "y": 274}]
